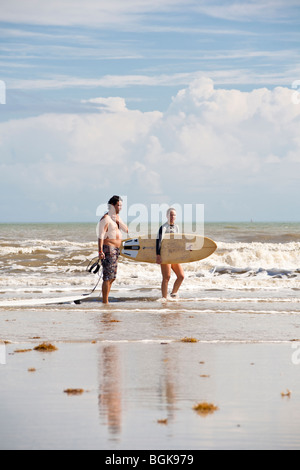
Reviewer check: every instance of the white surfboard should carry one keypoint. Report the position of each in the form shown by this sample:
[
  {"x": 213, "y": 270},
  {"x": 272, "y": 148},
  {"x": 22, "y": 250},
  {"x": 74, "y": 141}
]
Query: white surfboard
[
  {"x": 40, "y": 302},
  {"x": 176, "y": 249}
]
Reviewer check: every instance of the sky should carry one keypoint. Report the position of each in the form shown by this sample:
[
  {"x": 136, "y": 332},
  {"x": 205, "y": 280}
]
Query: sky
[{"x": 163, "y": 101}]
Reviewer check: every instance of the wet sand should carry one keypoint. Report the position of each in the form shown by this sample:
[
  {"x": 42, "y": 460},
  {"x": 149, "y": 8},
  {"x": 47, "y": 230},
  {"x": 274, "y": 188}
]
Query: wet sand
[{"x": 140, "y": 395}]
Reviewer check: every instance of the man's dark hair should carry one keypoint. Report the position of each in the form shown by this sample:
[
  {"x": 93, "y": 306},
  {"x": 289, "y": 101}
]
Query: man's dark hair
[{"x": 114, "y": 200}]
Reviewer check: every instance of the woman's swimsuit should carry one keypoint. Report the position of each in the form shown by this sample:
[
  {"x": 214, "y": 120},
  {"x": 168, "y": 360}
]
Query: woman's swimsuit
[{"x": 166, "y": 228}]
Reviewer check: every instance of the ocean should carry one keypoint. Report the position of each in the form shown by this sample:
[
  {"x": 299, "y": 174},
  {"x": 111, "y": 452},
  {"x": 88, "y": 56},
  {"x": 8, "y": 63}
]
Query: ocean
[{"x": 248, "y": 291}]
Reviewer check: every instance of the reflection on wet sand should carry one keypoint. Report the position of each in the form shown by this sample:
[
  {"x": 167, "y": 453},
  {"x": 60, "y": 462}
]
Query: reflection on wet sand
[
  {"x": 110, "y": 389},
  {"x": 128, "y": 379}
]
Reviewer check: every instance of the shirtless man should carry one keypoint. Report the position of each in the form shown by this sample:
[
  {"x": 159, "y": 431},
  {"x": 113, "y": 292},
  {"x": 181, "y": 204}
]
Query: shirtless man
[{"x": 109, "y": 243}]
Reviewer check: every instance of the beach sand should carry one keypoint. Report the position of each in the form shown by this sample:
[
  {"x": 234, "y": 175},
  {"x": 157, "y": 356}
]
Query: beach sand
[{"x": 140, "y": 395}]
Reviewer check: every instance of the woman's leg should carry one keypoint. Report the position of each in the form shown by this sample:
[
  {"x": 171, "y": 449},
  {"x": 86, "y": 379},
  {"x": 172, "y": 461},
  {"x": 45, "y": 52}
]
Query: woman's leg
[
  {"x": 178, "y": 270},
  {"x": 166, "y": 274}
]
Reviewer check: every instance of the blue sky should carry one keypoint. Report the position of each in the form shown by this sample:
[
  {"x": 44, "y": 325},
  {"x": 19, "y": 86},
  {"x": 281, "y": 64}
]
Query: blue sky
[{"x": 177, "y": 101}]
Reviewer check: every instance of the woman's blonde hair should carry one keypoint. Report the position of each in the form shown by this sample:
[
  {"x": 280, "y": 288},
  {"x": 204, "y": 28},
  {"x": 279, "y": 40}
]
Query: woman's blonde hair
[{"x": 169, "y": 211}]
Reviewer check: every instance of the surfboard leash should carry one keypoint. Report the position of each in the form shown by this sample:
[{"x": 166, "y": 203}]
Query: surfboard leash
[{"x": 95, "y": 267}]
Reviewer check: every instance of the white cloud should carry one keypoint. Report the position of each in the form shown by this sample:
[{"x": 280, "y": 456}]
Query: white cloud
[
  {"x": 63, "y": 150},
  {"x": 221, "y": 77},
  {"x": 230, "y": 131},
  {"x": 108, "y": 81},
  {"x": 209, "y": 140},
  {"x": 248, "y": 10},
  {"x": 92, "y": 13},
  {"x": 113, "y": 104},
  {"x": 129, "y": 13}
]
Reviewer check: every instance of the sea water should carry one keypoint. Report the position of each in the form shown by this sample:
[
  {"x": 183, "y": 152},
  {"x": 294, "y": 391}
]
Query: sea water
[{"x": 248, "y": 291}]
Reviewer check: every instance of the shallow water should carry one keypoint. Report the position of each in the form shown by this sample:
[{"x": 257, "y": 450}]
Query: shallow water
[{"x": 247, "y": 291}]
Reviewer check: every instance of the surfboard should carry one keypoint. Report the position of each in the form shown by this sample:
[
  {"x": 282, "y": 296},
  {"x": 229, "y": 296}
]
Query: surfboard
[
  {"x": 176, "y": 249},
  {"x": 40, "y": 302},
  {"x": 78, "y": 300}
]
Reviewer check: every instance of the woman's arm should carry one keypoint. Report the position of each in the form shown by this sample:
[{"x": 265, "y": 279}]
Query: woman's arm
[{"x": 159, "y": 241}]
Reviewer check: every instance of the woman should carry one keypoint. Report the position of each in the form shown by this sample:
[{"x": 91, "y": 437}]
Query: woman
[{"x": 169, "y": 227}]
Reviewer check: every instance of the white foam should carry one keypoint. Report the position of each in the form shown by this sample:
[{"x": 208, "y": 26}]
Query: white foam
[
  {"x": 48, "y": 266},
  {"x": 258, "y": 255},
  {"x": 14, "y": 250}
]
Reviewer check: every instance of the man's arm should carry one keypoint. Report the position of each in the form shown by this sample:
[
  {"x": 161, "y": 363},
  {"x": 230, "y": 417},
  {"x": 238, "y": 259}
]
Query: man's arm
[
  {"x": 102, "y": 231},
  {"x": 122, "y": 226}
]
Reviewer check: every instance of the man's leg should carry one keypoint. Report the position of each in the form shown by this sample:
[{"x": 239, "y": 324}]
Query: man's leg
[
  {"x": 110, "y": 269},
  {"x": 106, "y": 287}
]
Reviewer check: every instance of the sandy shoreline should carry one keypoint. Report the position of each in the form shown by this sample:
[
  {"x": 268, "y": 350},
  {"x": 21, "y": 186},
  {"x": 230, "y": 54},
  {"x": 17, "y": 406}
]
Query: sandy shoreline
[{"x": 141, "y": 396}]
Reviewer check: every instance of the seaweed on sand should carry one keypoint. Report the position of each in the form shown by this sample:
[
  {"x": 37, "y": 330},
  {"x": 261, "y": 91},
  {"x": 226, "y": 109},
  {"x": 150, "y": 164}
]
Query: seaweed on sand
[
  {"x": 189, "y": 340},
  {"x": 45, "y": 347},
  {"x": 205, "y": 408},
  {"x": 74, "y": 391}
]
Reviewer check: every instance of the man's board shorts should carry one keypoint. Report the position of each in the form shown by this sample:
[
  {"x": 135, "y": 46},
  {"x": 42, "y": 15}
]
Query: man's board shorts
[{"x": 110, "y": 263}]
